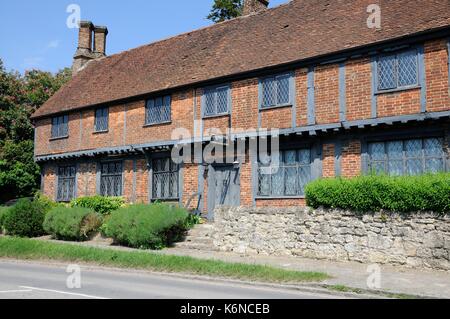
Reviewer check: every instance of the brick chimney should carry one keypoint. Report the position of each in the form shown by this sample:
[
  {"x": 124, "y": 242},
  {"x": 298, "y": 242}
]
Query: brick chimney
[
  {"x": 91, "y": 45},
  {"x": 254, "y": 6},
  {"x": 100, "y": 34}
]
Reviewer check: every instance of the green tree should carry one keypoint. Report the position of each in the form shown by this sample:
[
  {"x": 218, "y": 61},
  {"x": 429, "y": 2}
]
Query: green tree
[
  {"x": 225, "y": 10},
  {"x": 20, "y": 96}
]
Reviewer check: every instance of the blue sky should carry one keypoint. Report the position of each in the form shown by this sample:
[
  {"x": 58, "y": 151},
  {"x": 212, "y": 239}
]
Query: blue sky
[{"x": 34, "y": 33}]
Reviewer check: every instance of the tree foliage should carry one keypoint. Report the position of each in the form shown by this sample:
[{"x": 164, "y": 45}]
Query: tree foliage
[
  {"x": 225, "y": 10},
  {"x": 20, "y": 96}
]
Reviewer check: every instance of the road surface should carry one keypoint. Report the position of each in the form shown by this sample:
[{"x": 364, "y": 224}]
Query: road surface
[{"x": 29, "y": 280}]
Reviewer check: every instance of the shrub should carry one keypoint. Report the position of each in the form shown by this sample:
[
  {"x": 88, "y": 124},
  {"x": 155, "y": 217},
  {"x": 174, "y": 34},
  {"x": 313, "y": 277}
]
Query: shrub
[
  {"x": 100, "y": 204},
  {"x": 3, "y": 212},
  {"x": 147, "y": 226},
  {"x": 45, "y": 201},
  {"x": 25, "y": 219},
  {"x": 72, "y": 223},
  {"x": 372, "y": 193}
]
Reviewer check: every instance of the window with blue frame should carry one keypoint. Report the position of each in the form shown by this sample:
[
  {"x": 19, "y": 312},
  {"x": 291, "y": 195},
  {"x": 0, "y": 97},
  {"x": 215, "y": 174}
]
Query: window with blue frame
[
  {"x": 165, "y": 179},
  {"x": 217, "y": 100},
  {"x": 158, "y": 110},
  {"x": 275, "y": 91},
  {"x": 407, "y": 157},
  {"x": 101, "y": 119},
  {"x": 66, "y": 183},
  {"x": 286, "y": 177},
  {"x": 111, "y": 179},
  {"x": 60, "y": 126},
  {"x": 397, "y": 71}
]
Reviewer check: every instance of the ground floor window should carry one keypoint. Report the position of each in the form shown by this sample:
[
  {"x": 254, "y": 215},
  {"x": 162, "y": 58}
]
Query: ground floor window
[
  {"x": 407, "y": 157},
  {"x": 286, "y": 177},
  {"x": 111, "y": 179},
  {"x": 165, "y": 179},
  {"x": 66, "y": 183}
]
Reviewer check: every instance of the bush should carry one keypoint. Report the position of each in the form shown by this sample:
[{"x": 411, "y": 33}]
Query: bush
[
  {"x": 45, "y": 201},
  {"x": 152, "y": 226},
  {"x": 373, "y": 193},
  {"x": 100, "y": 204},
  {"x": 25, "y": 219},
  {"x": 3, "y": 212},
  {"x": 75, "y": 223}
]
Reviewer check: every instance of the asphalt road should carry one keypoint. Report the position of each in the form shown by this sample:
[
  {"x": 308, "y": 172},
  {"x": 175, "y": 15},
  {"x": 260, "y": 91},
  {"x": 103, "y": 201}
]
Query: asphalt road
[{"x": 36, "y": 281}]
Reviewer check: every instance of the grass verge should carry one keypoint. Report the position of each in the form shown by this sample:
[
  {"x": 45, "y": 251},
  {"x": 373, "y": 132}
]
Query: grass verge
[
  {"x": 30, "y": 249},
  {"x": 342, "y": 288}
]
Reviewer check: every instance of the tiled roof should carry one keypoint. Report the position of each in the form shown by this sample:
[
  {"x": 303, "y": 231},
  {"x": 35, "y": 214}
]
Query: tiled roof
[{"x": 298, "y": 30}]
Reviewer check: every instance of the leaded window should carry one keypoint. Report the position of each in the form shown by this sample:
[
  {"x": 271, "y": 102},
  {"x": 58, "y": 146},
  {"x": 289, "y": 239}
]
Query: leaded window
[
  {"x": 158, "y": 110},
  {"x": 165, "y": 179},
  {"x": 398, "y": 70},
  {"x": 407, "y": 157},
  {"x": 101, "y": 119},
  {"x": 287, "y": 176},
  {"x": 275, "y": 91},
  {"x": 60, "y": 126},
  {"x": 217, "y": 101},
  {"x": 111, "y": 179},
  {"x": 66, "y": 183}
]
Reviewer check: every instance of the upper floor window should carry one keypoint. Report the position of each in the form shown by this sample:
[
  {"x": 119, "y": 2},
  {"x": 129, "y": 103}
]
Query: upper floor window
[
  {"x": 66, "y": 183},
  {"x": 111, "y": 179},
  {"x": 407, "y": 157},
  {"x": 60, "y": 126},
  {"x": 165, "y": 179},
  {"x": 396, "y": 71},
  {"x": 217, "y": 100},
  {"x": 101, "y": 119},
  {"x": 275, "y": 91},
  {"x": 158, "y": 110},
  {"x": 286, "y": 177}
]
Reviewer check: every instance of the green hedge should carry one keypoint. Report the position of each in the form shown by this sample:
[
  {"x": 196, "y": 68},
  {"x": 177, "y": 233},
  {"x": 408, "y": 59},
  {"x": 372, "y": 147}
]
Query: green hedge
[
  {"x": 100, "y": 204},
  {"x": 373, "y": 193},
  {"x": 3, "y": 211},
  {"x": 69, "y": 223},
  {"x": 147, "y": 226},
  {"x": 25, "y": 219}
]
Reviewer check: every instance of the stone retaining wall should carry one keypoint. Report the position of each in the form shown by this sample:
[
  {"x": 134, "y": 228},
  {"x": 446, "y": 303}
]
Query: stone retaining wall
[{"x": 417, "y": 240}]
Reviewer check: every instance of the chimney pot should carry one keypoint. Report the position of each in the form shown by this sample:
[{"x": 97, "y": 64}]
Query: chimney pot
[
  {"x": 100, "y": 34},
  {"x": 254, "y": 6}
]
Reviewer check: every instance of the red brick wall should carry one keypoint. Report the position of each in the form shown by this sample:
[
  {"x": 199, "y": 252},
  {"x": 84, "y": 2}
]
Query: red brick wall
[
  {"x": 49, "y": 180},
  {"x": 436, "y": 70},
  {"x": 328, "y": 169},
  {"x": 276, "y": 118},
  {"x": 326, "y": 83},
  {"x": 87, "y": 178},
  {"x": 190, "y": 179},
  {"x": 244, "y": 97},
  {"x": 301, "y": 96},
  {"x": 398, "y": 103},
  {"x": 358, "y": 77},
  {"x": 142, "y": 181},
  {"x": 351, "y": 159}
]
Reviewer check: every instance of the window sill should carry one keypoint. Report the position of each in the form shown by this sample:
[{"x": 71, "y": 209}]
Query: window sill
[
  {"x": 279, "y": 197},
  {"x": 262, "y": 109},
  {"x": 101, "y": 132},
  {"x": 406, "y": 88},
  {"x": 215, "y": 116},
  {"x": 157, "y": 124},
  {"x": 59, "y": 138}
]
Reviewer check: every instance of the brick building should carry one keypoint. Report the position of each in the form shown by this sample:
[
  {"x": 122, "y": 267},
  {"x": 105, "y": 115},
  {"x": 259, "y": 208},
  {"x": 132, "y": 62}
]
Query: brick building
[{"x": 340, "y": 96}]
